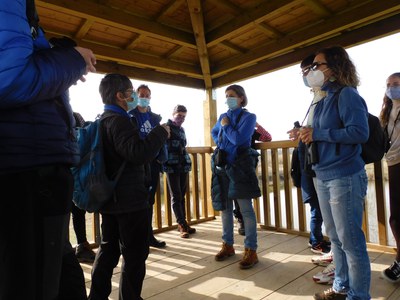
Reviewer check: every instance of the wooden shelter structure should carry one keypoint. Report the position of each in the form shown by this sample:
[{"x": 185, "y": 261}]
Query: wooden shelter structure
[{"x": 207, "y": 44}]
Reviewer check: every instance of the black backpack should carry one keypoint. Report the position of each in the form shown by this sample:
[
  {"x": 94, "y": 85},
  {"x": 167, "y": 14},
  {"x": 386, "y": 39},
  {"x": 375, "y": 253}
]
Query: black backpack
[{"x": 374, "y": 149}]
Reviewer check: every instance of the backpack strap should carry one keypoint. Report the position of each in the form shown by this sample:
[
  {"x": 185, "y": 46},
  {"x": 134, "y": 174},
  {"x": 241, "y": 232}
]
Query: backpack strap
[{"x": 33, "y": 18}]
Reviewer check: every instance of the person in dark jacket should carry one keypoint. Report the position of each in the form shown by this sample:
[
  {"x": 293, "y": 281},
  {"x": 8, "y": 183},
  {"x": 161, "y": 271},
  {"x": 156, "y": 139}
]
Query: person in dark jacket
[
  {"x": 38, "y": 147},
  {"x": 146, "y": 121},
  {"x": 125, "y": 223},
  {"x": 234, "y": 177},
  {"x": 177, "y": 168}
]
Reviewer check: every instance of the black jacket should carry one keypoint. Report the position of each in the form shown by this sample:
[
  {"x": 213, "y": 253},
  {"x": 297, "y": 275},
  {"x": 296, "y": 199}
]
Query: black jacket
[{"x": 121, "y": 142}]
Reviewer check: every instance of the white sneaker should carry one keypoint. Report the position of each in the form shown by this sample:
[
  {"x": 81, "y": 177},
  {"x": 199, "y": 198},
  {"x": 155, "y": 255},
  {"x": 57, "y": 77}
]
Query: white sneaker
[
  {"x": 323, "y": 260},
  {"x": 326, "y": 276}
]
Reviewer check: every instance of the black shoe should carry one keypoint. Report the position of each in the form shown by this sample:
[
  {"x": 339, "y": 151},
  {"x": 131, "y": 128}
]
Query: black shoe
[
  {"x": 392, "y": 274},
  {"x": 156, "y": 243},
  {"x": 84, "y": 253},
  {"x": 241, "y": 228}
]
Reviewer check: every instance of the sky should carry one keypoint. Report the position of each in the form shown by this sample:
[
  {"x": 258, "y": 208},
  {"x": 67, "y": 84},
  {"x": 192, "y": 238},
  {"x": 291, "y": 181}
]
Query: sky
[{"x": 278, "y": 99}]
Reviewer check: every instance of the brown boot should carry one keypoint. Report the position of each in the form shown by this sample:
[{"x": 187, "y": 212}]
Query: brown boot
[
  {"x": 225, "y": 252},
  {"x": 249, "y": 259},
  {"x": 183, "y": 231}
]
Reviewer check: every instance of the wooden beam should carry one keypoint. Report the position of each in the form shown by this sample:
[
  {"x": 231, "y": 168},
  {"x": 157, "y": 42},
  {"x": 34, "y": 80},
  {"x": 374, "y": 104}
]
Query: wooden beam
[
  {"x": 148, "y": 75},
  {"x": 136, "y": 59},
  {"x": 269, "y": 29},
  {"x": 346, "y": 39},
  {"x": 174, "y": 51},
  {"x": 135, "y": 41},
  {"x": 227, "y": 6},
  {"x": 332, "y": 26},
  {"x": 196, "y": 16},
  {"x": 247, "y": 20},
  {"x": 107, "y": 15},
  {"x": 84, "y": 29}
]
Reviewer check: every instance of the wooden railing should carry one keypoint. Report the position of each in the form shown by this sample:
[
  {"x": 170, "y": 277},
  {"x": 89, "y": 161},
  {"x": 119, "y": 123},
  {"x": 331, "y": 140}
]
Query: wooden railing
[{"x": 280, "y": 207}]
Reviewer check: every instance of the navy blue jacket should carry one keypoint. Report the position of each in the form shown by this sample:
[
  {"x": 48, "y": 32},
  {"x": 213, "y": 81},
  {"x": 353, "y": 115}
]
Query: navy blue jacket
[{"x": 36, "y": 121}]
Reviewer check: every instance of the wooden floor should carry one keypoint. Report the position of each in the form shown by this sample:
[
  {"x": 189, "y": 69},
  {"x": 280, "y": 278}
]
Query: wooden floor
[{"x": 186, "y": 269}]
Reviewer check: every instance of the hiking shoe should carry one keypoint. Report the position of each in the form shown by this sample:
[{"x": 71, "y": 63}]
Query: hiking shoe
[
  {"x": 225, "y": 252},
  {"x": 156, "y": 243},
  {"x": 249, "y": 259},
  {"x": 330, "y": 294},
  {"x": 392, "y": 274},
  {"x": 183, "y": 229},
  {"x": 326, "y": 276},
  {"x": 321, "y": 248},
  {"x": 323, "y": 260},
  {"x": 190, "y": 229},
  {"x": 84, "y": 253}
]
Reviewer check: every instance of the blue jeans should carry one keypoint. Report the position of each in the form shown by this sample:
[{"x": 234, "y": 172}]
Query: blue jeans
[
  {"x": 249, "y": 220},
  {"x": 342, "y": 204}
]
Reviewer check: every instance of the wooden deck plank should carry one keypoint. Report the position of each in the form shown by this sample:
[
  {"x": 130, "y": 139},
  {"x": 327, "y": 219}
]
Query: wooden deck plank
[{"x": 186, "y": 269}]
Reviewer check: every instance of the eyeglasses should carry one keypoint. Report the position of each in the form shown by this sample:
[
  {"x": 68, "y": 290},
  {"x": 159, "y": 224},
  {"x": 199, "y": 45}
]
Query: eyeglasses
[
  {"x": 304, "y": 71},
  {"x": 314, "y": 66}
]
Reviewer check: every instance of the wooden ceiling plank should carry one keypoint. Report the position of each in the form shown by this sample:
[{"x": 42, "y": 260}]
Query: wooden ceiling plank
[
  {"x": 247, "y": 19},
  {"x": 174, "y": 51},
  {"x": 84, "y": 29},
  {"x": 269, "y": 29},
  {"x": 360, "y": 35},
  {"x": 106, "y": 15},
  {"x": 333, "y": 25},
  {"x": 318, "y": 8},
  {"x": 169, "y": 8},
  {"x": 141, "y": 60},
  {"x": 196, "y": 16},
  {"x": 228, "y": 6},
  {"x": 231, "y": 46}
]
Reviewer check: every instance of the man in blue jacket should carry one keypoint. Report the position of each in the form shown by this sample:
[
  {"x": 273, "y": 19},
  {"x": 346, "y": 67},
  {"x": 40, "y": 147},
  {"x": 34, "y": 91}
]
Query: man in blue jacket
[{"x": 37, "y": 150}]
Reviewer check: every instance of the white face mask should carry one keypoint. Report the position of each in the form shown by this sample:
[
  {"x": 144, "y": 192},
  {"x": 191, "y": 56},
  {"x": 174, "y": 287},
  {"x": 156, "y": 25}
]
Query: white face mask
[{"x": 315, "y": 78}]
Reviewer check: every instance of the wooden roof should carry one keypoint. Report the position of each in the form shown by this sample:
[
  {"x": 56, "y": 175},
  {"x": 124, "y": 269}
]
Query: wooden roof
[{"x": 211, "y": 43}]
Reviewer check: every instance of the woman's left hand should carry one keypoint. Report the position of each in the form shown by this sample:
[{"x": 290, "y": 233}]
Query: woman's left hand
[
  {"x": 306, "y": 135},
  {"x": 225, "y": 121}
]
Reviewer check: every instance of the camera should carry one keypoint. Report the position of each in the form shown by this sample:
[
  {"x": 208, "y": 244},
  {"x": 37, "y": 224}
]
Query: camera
[
  {"x": 312, "y": 153},
  {"x": 219, "y": 157}
]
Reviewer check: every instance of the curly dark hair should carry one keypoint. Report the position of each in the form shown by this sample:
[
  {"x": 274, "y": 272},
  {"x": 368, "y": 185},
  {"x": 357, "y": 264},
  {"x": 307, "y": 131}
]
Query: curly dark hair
[{"x": 339, "y": 62}]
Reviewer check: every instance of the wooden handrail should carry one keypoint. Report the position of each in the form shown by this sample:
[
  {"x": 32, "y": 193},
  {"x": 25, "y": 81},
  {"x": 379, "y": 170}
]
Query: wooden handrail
[{"x": 280, "y": 206}]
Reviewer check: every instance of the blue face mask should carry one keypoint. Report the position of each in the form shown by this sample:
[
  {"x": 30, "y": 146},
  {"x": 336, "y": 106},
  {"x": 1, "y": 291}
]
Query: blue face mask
[
  {"x": 306, "y": 81},
  {"x": 143, "y": 102},
  {"x": 393, "y": 92},
  {"x": 134, "y": 103},
  {"x": 232, "y": 103}
]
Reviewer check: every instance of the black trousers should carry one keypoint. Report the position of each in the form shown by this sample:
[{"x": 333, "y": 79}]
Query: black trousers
[
  {"x": 177, "y": 190},
  {"x": 155, "y": 169},
  {"x": 34, "y": 218},
  {"x": 394, "y": 195},
  {"x": 79, "y": 223},
  {"x": 125, "y": 234}
]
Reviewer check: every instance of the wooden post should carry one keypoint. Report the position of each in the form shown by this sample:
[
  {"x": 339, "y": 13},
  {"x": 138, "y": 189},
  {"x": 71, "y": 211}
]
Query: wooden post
[{"x": 210, "y": 116}]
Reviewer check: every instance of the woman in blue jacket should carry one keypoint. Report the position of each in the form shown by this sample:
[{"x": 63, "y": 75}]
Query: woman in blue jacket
[
  {"x": 340, "y": 126},
  {"x": 234, "y": 174}
]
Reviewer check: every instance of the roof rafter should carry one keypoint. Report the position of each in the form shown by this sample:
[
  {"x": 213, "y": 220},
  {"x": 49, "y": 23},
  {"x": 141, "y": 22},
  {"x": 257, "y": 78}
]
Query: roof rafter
[
  {"x": 119, "y": 19},
  {"x": 196, "y": 16},
  {"x": 331, "y": 26}
]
